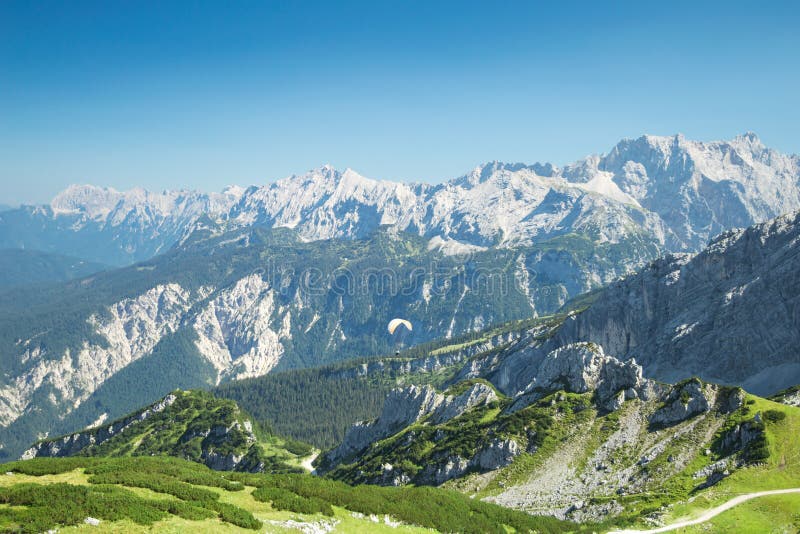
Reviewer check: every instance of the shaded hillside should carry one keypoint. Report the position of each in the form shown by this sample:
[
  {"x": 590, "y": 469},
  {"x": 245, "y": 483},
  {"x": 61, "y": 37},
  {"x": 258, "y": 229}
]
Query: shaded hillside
[
  {"x": 30, "y": 267},
  {"x": 730, "y": 314}
]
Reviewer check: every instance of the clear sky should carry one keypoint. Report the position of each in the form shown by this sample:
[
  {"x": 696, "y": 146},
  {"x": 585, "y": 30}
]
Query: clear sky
[{"x": 203, "y": 94}]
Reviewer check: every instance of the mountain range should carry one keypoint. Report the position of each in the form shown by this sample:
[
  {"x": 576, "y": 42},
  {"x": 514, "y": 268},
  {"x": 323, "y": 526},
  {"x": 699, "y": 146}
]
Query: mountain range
[
  {"x": 309, "y": 269},
  {"x": 675, "y": 192},
  {"x": 584, "y": 342}
]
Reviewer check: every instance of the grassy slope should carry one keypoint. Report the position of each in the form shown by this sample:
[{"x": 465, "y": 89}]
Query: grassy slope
[
  {"x": 672, "y": 498},
  {"x": 781, "y": 470},
  {"x": 170, "y": 495},
  {"x": 771, "y": 514}
]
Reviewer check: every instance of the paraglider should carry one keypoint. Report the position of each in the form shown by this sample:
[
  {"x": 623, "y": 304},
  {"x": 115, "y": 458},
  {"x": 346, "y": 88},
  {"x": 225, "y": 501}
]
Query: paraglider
[
  {"x": 394, "y": 323},
  {"x": 399, "y": 329}
]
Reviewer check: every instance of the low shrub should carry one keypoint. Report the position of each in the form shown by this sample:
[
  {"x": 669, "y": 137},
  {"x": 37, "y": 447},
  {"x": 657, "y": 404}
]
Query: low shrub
[
  {"x": 282, "y": 499},
  {"x": 773, "y": 416},
  {"x": 235, "y": 515}
]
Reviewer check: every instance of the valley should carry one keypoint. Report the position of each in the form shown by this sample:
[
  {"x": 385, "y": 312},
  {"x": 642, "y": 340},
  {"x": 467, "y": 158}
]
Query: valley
[
  {"x": 579, "y": 376},
  {"x": 361, "y": 267}
]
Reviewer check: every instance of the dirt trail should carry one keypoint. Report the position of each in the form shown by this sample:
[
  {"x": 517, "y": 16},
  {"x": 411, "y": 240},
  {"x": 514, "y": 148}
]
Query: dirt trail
[
  {"x": 306, "y": 464},
  {"x": 710, "y": 514}
]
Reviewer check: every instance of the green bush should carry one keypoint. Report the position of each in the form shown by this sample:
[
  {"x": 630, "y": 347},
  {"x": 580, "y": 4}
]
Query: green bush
[
  {"x": 282, "y": 499},
  {"x": 773, "y": 416},
  {"x": 154, "y": 467},
  {"x": 236, "y": 516},
  {"x": 47, "y": 466},
  {"x": 162, "y": 484},
  {"x": 48, "y": 506}
]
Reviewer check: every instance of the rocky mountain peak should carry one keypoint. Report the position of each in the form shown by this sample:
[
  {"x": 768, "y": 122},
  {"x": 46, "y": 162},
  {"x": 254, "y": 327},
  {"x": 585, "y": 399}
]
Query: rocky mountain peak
[{"x": 675, "y": 191}]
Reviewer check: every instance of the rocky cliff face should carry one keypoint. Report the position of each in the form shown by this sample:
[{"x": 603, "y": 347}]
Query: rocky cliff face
[
  {"x": 701, "y": 189},
  {"x": 578, "y": 368},
  {"x": 406, "y": 406},
  {"x": 685, "y": 400},
  {"x": 123, "y": 333},
  {"x": 730, "y": 314},
  {"x": 242, "y": 330}
]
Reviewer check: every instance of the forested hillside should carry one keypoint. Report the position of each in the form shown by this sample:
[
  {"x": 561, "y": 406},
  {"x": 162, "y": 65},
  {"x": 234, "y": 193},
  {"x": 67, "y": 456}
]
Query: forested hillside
[
  {"x": 221, "y": 307},
  {"x": 21, "y": 267}
]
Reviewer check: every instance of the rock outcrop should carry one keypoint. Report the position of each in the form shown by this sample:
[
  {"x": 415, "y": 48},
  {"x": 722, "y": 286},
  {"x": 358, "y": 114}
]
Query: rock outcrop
[
  {"x": 405, "y": 406},
  {"x": 454, "y": 406},
  {"x": 402, "y": 407},
  {"x": 740, "y": 436},
  {"x": 790, "y": 396},
  {"x": 685, "y": 400},
  {"x": 583, "y": 367},
  {"x": 495, "y": 454}
]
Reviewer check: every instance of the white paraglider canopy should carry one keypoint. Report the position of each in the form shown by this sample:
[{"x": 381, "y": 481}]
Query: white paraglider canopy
[{"x": 394, "y": 323}]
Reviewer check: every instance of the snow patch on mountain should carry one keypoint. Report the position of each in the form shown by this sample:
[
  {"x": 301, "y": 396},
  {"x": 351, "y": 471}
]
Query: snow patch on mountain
[{"x": 451, "y": 247}]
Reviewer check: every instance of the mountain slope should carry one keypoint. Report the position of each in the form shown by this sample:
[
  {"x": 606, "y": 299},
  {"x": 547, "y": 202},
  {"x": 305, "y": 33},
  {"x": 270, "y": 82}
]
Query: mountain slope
[
  {"x": 730, "y": 314},
  {"x": 588, "y": 439},
  {"x": 29, "y": 267},
  {"x": 318, "y": 405},
  {"x": 192, "y": 425},
  {"x": 670, "y": 190},
  {"x": 170, "y": 495},
  {"x": 244, "y": 303}
]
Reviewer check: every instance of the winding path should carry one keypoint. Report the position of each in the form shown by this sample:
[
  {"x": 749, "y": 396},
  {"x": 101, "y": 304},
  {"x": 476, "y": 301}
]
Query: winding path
[
  {"x": 306, "y": 464},
  {"x": 710, "y": 513}
]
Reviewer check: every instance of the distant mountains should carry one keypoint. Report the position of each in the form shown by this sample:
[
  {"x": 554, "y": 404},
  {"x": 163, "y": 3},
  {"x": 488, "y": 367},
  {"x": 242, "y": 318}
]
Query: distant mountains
[
  {"x": 673, "y": 191},
  {"x": 29, "y": 267}
]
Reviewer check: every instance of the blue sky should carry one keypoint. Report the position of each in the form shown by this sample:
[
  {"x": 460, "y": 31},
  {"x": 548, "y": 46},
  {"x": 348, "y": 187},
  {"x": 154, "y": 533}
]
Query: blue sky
[{"x": 204, "y": 94}]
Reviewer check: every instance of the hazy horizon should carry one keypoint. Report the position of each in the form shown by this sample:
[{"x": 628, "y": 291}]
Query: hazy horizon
[{"x": 268, "y": 180}]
